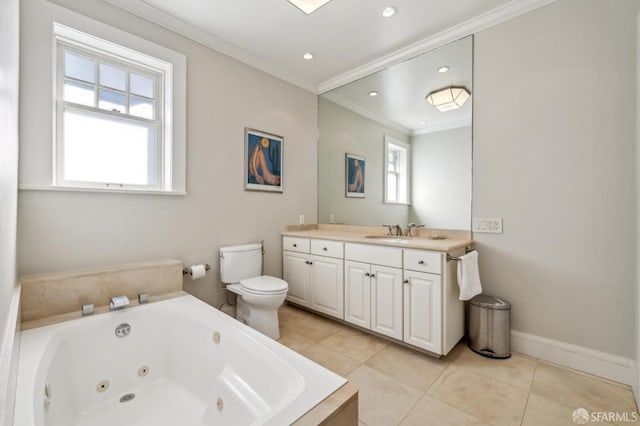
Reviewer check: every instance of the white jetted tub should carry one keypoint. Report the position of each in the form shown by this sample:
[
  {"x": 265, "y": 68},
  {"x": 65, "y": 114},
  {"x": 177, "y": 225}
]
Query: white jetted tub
[{"x": 182, "y": 363}]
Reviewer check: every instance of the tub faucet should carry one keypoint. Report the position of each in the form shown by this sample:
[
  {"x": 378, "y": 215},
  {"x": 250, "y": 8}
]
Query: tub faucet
[{"x": 118, "y": 302}]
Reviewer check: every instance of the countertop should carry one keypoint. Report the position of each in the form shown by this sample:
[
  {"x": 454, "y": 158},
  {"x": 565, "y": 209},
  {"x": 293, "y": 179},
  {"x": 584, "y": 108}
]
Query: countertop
[{"x": 446, "y": 245}]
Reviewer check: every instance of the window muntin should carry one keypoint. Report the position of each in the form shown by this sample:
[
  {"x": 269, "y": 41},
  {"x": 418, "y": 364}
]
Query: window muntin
[{"x": 111, "y": 131}]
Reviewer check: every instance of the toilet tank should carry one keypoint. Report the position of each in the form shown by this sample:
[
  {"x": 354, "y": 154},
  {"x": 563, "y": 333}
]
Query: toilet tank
[{"x": 240, "y": 262}]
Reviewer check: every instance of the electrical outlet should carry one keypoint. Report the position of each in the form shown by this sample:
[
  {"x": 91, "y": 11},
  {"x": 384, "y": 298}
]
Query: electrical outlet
[
  {"x": 301, "y": 219},
  {"x": 332, "y": 218},
  {"x": 490, "y": 226}
]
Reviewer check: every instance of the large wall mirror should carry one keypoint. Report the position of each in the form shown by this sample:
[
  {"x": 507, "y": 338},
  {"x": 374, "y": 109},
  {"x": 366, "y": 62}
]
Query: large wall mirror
[{"x": 414, "y": 160}]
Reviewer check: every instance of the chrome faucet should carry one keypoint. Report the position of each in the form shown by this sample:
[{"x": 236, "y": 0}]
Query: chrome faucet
[
  {"x": 118, "y": 302},
  {"x": 411, "y": 226},
  {"x": 398, "y": 229}
]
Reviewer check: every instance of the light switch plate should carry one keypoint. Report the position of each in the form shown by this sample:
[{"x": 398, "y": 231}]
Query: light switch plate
[
  {"x": 489, "y": 226},
  {"x": 301, "y": 219}
]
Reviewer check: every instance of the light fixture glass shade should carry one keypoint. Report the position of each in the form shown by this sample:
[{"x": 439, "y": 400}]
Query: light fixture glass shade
[
  {"x": 448, "y": 98},
  {"x": 308, "y": 6}
]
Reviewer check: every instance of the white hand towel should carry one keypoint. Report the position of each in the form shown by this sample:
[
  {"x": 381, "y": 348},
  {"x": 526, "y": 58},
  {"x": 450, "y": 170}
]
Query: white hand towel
[{"x": 468, "y": 276}]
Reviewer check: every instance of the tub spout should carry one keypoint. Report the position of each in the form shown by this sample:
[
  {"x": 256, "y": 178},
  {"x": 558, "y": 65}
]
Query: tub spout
[{"x": 118, "y": 302}]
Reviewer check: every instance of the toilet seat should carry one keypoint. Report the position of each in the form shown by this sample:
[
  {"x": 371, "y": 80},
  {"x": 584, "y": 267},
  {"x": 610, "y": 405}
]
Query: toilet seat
[{"x": 264, "y": 285}]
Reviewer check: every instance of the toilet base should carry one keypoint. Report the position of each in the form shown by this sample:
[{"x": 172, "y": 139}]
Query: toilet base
[{"x": 259, "y": 312}]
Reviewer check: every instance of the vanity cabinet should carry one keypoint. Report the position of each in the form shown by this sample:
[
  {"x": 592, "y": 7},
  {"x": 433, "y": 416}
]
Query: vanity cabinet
[
  {"x": 410, "y": 295},
  {"x": 314, "y": 271},
  {"x": 373, "y": 292}
]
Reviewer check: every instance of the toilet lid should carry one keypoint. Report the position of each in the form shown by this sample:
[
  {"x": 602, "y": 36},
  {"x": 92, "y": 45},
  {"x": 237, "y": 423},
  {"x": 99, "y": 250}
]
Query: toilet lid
[{"x": 264, "y": 284}]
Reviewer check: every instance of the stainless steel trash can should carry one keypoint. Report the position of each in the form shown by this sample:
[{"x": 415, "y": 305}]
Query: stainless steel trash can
[{"x": 490, "y": 326}]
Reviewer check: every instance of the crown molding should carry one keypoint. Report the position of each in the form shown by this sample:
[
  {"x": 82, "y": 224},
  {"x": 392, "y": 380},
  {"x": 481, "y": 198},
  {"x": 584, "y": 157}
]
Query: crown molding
[
  {"x": 471, "y": 26},
  {"x": 366, "y": 113},
  {"x": 172, "y": 23},
  {"x": 440, "y": 127},
  {"x": 480, "y": 22}
]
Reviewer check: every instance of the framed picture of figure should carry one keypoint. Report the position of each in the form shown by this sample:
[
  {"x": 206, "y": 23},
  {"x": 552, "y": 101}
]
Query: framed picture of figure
[
  {"x": 262, "y": 161},
  {"x": 354, "y": 175}
]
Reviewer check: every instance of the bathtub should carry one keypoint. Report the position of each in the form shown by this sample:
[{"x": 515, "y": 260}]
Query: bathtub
[{"x": 182, "y": 363}]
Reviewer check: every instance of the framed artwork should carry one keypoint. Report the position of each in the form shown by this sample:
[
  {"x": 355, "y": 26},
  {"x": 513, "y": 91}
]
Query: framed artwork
[
  {"x": 354, "y": 175},
  {"x": 262, "y": 161}
]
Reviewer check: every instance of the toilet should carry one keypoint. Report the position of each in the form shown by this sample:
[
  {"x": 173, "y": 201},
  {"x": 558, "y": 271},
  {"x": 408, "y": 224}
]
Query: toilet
[{"x": 259, "y": 296}]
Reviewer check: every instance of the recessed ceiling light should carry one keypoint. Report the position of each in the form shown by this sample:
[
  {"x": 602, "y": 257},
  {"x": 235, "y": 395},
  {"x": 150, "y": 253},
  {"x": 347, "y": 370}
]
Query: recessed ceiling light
[
  {"x": 308, "y": 56},
  {"x": 308, "y": 6},
  {"x": 373, "y": 93},
  {"x": 389, "y": 11},
  {"x": 443, "y": 68}
]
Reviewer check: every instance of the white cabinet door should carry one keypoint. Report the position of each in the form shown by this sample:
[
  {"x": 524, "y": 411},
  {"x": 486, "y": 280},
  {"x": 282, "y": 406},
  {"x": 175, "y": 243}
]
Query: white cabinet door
[
  {"x": 357, "y": 293},
  {"x": 327, "y": 286},
  {"x": 296, "y": 273},
  {"x": 422, "y": 310},
  {"x": 386, "y": 301}
]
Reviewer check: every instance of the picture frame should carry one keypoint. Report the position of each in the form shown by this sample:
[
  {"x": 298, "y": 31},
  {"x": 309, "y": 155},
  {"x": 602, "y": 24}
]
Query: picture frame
[
  {"x": 263, "y": 161},
  {"x": 354, "y": 167}
]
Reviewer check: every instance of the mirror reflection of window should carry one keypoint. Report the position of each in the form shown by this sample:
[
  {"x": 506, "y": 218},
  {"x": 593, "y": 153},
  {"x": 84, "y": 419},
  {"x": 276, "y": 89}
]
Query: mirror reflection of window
[{"x": 397, "y": 176}]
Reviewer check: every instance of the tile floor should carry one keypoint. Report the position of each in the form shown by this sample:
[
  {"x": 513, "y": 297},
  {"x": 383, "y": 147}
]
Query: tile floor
[{"x": 398, "y": 386}]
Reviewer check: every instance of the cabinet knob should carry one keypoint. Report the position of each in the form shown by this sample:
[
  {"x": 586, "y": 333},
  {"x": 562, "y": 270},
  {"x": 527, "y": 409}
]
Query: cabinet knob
[
  {"x": 310, "y": 263},
  {"x": 373, "y": 275},
  {"x": 324, "y": 248},
  {"x": 295, "y": 245},
  {"x": 406, "y": 281},
  {"x": 421, "y": 262},
  {"x": 366, "y": 274}
]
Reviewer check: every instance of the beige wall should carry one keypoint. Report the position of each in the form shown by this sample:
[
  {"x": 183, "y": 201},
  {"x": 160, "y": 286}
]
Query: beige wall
[
  {"x": 344, "y": 131},
  {"x": 554, "y": 155},
  {"x": 441, "y": 176},
  {"x": 68, "y": 230}
]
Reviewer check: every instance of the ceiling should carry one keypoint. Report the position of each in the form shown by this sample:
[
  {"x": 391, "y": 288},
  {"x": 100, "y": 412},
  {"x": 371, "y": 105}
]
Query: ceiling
[
  {"x": 349, "y": 38},
  {"x": 402, "y": 88}
]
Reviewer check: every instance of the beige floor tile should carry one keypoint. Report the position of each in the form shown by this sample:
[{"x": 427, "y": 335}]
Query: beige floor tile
[
  {"x": 293, "y": 340},
  {"x": 410, "y": 367},
  {"x": 381, "y": 399},
  {"x": 517, "y": 370},
  {"x": 330, "y": 359},
  {"x": 488, "y": 399},
  {"x": 359, "y": 346},
  {"x": 313, "y": 327},
  {"x": 541, "y": 411},
  {"x": 455, "y": 351},
  {"x": 288, "y": 314},
  {"x": 430, "y": 411},
  {"x": 576, "y": 390}
]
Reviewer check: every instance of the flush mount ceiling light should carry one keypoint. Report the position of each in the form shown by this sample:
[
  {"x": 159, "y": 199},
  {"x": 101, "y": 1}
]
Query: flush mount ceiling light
[
  {"x": 309, "y": 56},
  {"x": 389, "y": 11},
  {"x": 373, "y": 93},
  {"x": 443, "y": 68},
  {"x": 308, "y": 6},
  {"x": 448, "y": 98}
]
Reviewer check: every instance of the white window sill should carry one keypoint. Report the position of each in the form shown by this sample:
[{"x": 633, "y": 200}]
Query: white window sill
[
  {"x": 105, "y": 190},
  {"x": 398, "y": 203}
]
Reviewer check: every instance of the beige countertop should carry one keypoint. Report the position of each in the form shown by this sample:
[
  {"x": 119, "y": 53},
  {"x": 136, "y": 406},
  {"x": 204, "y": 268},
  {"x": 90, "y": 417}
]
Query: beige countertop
[{"x": 354, "y": 235}]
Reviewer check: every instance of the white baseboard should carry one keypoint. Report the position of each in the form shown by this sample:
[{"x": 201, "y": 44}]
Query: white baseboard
[
  {"x": 602, "y": 364},
  {"x": 634, "y": 386}
]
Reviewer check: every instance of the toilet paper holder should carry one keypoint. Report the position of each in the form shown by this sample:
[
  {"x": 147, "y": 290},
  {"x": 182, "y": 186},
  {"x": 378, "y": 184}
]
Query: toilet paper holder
[{"x": 187, "y": 271}]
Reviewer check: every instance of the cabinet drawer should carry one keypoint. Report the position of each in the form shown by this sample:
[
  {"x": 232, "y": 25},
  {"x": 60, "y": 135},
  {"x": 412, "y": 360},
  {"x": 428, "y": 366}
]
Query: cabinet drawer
[
  {"x": 327, "y": 248},
  {"x": 423, "y": 261},
  {"x": 378, "y": 255},
  {"x": 295, "y": 244}
]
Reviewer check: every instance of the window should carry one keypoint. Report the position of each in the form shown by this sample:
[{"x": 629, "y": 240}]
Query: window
[
  {"x": 396, "y": 178},
  {"x": 113, "y": 110}
]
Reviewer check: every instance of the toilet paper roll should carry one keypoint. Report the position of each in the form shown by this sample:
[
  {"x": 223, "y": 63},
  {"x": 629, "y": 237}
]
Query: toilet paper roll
[{"x": 197, "y": 271}]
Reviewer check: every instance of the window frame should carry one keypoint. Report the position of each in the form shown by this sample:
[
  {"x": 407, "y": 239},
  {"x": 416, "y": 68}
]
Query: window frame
[
  {"x": 403, "y": 170},
  {"x": 108, "y": 53}
]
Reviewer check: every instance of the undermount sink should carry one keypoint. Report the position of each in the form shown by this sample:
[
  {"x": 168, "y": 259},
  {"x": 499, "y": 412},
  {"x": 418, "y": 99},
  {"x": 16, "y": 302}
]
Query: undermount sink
[{"x": 389, "y": 238}]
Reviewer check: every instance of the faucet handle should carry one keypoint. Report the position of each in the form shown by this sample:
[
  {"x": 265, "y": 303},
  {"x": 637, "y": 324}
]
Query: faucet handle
[
  {"x": 389, "y": 229},
  {"x": 118, "y": 302},
  {"x": 411, "y": 226}
]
